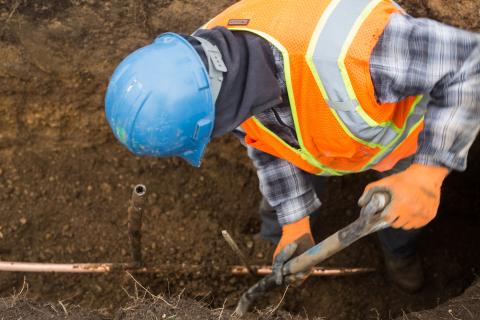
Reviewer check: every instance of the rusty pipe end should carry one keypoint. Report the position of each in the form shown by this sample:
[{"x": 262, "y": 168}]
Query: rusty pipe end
[
  {"x": 140, "y": 190},
  {"x": 138, "y": 195}
]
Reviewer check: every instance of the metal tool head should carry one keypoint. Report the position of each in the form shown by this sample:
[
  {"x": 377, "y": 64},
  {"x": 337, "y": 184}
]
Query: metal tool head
[
  {"x": 374, "y": 212},
  {"x": 255, "y": 292}
]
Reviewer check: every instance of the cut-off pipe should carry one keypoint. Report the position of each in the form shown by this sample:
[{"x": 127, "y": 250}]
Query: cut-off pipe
[
  {"x": 233, "y": 245},
  {"x": 135, "y": 213}
]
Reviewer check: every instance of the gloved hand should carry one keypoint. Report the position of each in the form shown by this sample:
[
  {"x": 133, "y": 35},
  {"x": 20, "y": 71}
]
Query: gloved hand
[
  {"x": 415, "y": 195},
  {"x": 296, "y": 239}
]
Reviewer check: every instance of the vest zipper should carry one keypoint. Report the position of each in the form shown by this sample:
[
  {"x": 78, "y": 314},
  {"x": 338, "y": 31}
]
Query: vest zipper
[{"x": 282, "y": 123}]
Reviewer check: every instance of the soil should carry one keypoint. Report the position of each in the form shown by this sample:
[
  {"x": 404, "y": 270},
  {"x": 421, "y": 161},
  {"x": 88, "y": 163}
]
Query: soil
[
  {"x": 465, "y": 307},
  {"x": 65, "y": 181},
  {"x": 20, "y": 308},
  {"x": 152, "y": 308}
]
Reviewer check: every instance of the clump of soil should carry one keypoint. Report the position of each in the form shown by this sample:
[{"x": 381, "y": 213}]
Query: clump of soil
[
  {"x": 21, "y": 308},
  {"x": 151, "y": 308},
  {"x": 65, "y": 181},
  {"x": 186, "y": 309}
]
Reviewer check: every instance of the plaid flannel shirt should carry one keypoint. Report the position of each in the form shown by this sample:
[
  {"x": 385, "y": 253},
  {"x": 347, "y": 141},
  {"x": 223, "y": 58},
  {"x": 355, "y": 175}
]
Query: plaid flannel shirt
[{"x": 413, "y": 56}]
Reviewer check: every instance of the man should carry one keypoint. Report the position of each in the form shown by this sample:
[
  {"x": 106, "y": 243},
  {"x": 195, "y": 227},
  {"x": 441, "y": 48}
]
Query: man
[{"x": 313, "y": 87}]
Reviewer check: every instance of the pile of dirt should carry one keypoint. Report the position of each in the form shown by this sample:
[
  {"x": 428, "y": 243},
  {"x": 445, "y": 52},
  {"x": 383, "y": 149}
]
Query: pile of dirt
[
  {"x": 186, "y": 309},
  {"x": 465, "y": 307},
  {"x": 152, "y": 308},
  {"x": 65, "y": 181},
  {"x": 20, "y": 308}
]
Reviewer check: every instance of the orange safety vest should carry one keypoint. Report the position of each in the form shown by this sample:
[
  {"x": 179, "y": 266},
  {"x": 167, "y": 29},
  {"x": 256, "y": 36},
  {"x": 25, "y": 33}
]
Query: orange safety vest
[{"x": 326, "y": 47}]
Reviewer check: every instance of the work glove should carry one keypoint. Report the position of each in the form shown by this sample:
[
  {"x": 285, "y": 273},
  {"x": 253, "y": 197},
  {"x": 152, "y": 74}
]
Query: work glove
[
  {"x": 296, "y": 239},
  {"x": 415, "y": 195}
]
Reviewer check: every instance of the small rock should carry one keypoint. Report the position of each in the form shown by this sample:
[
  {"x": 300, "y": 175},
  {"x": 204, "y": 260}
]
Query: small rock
[
  {"x": 197, "y": 257},
  {"x": 89, "y": 188},
  {"x": 152, "y": 198},
  {"x": 156, "y": 211},
  {"x": 250, "y": 244},
  {"x": 23, "y": 221},
  {"x": 260, "y": 255},
  {"x": 106, "y": 188}
]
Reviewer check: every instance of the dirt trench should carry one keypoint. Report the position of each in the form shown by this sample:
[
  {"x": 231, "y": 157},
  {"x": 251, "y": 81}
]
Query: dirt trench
[{"x": 65, "y": 181}]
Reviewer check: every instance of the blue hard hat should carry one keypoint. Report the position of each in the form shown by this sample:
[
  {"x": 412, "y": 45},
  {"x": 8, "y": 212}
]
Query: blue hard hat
[{"x": 159, "y": 101}]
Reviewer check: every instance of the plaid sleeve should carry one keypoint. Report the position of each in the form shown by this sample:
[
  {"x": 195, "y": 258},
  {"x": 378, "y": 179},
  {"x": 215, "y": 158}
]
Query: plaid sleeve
[
  {"x": 286, "y": 188},
  {"x": 421, "y": 56}
]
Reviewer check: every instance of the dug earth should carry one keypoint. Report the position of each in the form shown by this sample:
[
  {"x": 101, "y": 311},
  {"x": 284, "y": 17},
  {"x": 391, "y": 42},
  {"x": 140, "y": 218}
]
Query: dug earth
[{"x": 65, "y": 182}]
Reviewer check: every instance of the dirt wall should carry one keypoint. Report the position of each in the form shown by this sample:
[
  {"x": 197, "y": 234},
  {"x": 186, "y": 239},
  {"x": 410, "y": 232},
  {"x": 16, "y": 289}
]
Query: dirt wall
[{"x": 59, "y": 55}]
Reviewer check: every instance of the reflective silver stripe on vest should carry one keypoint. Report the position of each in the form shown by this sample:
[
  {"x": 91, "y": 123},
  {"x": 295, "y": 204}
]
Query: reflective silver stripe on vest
[
  {"x": 417, "y": 115},
  {"x": 326, "y": 57}
]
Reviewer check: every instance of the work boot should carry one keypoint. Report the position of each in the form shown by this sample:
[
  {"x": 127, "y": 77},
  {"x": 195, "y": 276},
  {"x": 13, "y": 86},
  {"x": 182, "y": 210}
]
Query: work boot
[{"x": 406, "y": 273}]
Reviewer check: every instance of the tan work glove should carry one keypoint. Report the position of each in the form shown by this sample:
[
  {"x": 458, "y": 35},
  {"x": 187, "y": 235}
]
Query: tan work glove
[
  {"x": 296, "y": 239},
  {"x": 415, "y": 195}
]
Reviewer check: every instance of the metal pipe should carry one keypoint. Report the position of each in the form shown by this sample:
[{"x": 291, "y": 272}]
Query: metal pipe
[
  {"x": 243, "y": 259},
  {"x": 56, "y": 268},
  {"x": 316, "y": 272},
  {"x": 135, "y": 213},
  {"x": 32, "y": 267}
]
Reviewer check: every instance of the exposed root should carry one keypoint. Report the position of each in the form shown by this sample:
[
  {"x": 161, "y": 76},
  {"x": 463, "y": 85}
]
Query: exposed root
[
  {"x": 271, "y": 312},
  {"x": 153, "y": 296}
]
